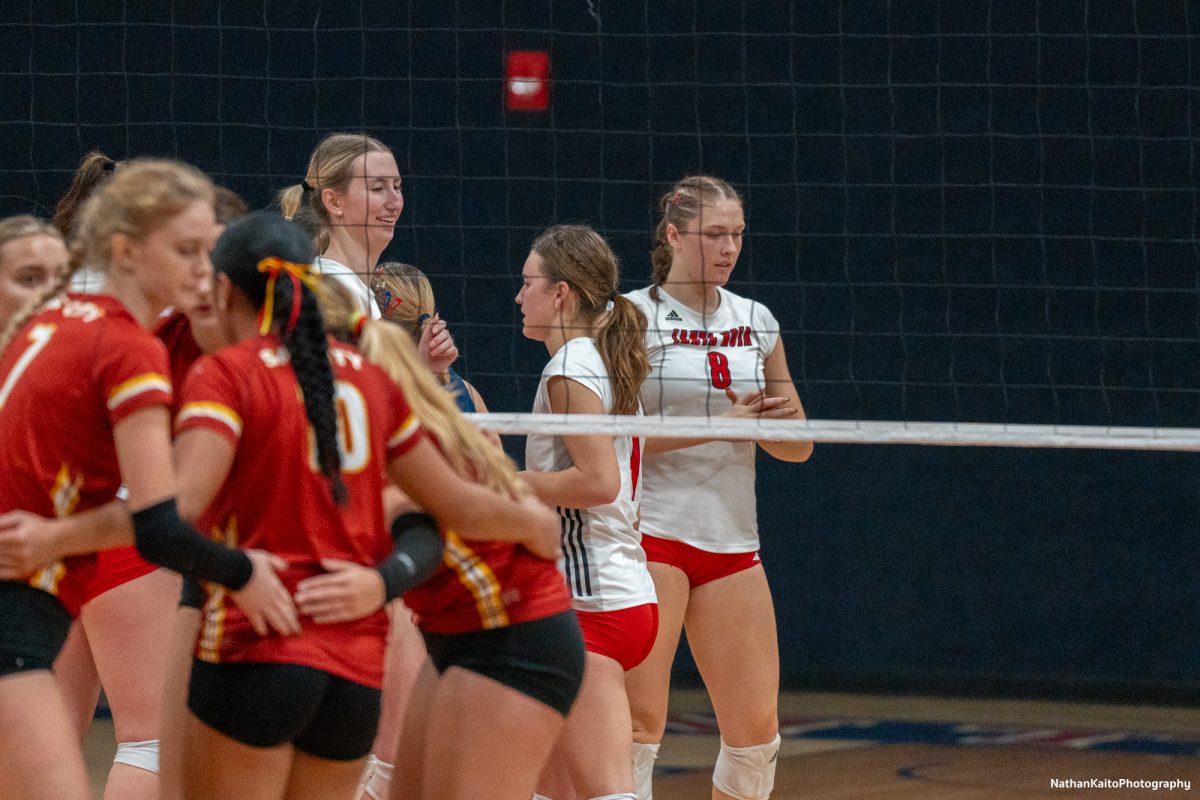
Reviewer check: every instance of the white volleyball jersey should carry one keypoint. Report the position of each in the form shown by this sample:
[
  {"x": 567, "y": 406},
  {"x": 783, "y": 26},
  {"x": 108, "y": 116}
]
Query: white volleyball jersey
[
  {"x": 354, "y": 281},
  {"x": 703, "y": 495},
  {"x": 603, "y": 558}
]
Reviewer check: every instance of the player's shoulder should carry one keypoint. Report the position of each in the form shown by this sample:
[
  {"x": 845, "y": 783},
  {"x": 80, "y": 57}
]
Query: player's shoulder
[{"x": 744, "y": 306}]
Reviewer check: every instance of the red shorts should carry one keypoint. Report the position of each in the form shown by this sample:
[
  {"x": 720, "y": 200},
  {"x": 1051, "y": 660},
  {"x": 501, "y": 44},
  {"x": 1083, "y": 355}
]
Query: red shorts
[
  {"x": 700, "y": 566},
  {"x": 115, "y": 567},
  {"x": 625, "y": 636}
]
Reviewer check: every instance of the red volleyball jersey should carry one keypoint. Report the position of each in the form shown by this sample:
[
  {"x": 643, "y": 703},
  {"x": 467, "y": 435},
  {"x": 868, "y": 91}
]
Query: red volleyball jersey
[
  {"x": 275, "y": 499},
  {"x": 67, "y": 378},
  {"x": 483, "y": 584},
  {"x": 175, "y": 330}
]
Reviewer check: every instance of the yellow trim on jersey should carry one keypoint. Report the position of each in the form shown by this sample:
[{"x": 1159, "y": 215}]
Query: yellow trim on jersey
[
  {"x": 212, "y": 627},
  {"x": 149, "y": 382},
  {"x": 474, "y": 573},
  {"x": 407, "y": 428},
  {"x": 48, "y": 578},
  {"x": 208, "y": 410},
  {"x": 64, "y": 494}
]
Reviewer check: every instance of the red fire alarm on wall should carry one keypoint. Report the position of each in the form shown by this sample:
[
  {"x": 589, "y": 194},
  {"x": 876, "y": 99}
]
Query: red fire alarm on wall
[{"x": 527, "y": 81}]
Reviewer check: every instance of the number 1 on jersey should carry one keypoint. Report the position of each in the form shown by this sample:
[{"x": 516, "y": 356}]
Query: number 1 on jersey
[{"x": 39, "y": 336}]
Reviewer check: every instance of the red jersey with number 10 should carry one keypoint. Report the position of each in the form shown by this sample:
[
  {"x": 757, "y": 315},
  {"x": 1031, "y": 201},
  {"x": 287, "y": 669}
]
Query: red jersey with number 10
[
  {"x": 275, "y": 499},
  {"x": 67, "y": 379}
]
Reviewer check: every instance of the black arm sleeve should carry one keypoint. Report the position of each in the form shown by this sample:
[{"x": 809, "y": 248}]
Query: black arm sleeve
[
  {"x": 163, "y": 538},
  {"x": 417, "y": 554}
]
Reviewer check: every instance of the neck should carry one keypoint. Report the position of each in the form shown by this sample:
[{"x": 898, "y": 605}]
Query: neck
[
  {"x": 564, "y": 330},
  {"x": 354, "y": 254},
  {"x": 124, "y": 289},
  {"x": 703, "y": 298}
]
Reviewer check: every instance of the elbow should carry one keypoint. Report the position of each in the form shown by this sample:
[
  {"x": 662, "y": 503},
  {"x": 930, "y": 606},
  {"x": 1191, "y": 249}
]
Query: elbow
[{"x": 604, "y": 490}]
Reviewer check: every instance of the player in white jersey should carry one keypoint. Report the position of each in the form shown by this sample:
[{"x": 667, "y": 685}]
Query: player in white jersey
[
  {"x": 711, "y": 353},
  {"x": 569, "y": 301}
]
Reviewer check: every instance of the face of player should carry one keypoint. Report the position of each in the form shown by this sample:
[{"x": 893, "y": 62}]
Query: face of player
[
  {"x": 27, "y": 266},
  {"x": 707, "y": 251},
  {"x": 371, "y": 204},
  {"x": 171, "y": 263},
  {"x": 539, "y": 300}
]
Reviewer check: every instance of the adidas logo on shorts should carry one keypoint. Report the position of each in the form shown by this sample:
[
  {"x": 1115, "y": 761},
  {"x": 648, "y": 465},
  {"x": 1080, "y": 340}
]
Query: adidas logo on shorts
[{"x": 672, "y": 316}]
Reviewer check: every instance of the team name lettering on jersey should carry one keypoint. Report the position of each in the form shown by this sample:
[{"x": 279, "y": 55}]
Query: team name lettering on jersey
[
  {"x": 274, "y": 357},
  {"x": 77, "y": 309},
  {"x": 346, "y": 359},
  {"x": 741, "y": 336}
]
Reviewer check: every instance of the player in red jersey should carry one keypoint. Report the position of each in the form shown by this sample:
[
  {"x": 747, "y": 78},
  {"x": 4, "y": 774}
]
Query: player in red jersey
[
  {"x": 67, "y": 446},
  {"x": 495, "y": 617},
  {"x": 283, "y": 441}
]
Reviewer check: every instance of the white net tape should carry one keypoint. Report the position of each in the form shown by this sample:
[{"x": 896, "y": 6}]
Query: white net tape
[{"x": 848, "y": 431}]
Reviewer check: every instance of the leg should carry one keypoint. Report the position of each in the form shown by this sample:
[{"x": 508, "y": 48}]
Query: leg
[
  {"x": 405, "y": 657},
  {"x": 314, "y": 778},
  {"x": 648, "y": 685},
  {"x": 497, "y": 754},
  {"x": 39, "y": 751},
  {"x": 75, "y": 672},
  {"x": 217, "y": 767},
  {"x": 173, "y": 715},
  {"x": 409, "y": 756},
  {"x": 129, "y": 628},
  {"x": 595, "y": 744},
  {"x": 731, "y": 630}
]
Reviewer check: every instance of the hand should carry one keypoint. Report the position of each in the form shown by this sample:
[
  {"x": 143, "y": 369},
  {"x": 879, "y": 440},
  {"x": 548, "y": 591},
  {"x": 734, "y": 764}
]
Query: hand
[
  {"x": 345, "y": 592},
  {"x": 758, "y": 405},
  {"x": 264, "y": 600},
  {"x": 436, "y": 348},
  {"x": 26, "y": 544},
  {"x": 545, "y": 539}
]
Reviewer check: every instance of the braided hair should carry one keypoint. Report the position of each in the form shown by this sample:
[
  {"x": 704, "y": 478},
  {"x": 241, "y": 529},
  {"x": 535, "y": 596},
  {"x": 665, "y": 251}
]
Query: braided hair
[{"x": 261, "y": 252}]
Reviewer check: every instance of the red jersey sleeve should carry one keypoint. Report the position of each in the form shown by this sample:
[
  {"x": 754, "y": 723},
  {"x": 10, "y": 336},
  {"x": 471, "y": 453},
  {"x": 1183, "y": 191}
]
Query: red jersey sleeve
[
  {"x": 132, "y": 371},
  {"x": 210, "y": 400},
  {"x": 407, "y": 432},
  {"x": 175, "y": 332}
]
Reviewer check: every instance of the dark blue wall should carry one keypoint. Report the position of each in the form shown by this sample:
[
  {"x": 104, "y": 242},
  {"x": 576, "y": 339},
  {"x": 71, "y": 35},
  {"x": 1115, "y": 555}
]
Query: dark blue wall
[{"x": 959, "y": 211}]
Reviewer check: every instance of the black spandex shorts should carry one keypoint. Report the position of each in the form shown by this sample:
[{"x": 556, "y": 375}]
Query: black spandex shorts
[
  {"x": 33, "y": 627},
  {"x": 542, "y": 659},
  {"x": 266, "y": 705}
]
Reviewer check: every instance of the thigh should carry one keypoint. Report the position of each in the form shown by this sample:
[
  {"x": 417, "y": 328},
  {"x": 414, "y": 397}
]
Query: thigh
[
  {"x": 173, "y": 715},
  {"x": 217, "y": 767},
  {"x": 315, "y": 778},
  {"x": 405, "y": 659},
  {"x": 485, "y": 739},
  {"x": 409, "y": 756},
  {"x": 39, "y": 751},
  {"x": 75, "y": 671},
  {"x": 731, "y": 631},
  {"x": 648, "y": 685},
  {"x": 129, "y": 630},
  {"x": 595, "y": 744}
]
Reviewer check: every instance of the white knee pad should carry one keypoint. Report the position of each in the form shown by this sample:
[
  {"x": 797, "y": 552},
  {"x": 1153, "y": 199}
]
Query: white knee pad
[
  {"x": 747, "y": 773},
  {"x": 623, "y": 796},
  {"x": 643, "y": 769},
  {"x": 537, "y": 796},
  {"x": 143, "y": 755},
  {"x": 376, "y": 779}
]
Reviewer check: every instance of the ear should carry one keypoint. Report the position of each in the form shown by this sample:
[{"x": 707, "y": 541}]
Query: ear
[
  {"x": 673, "y": 237},
  {"x": 332, "y": 202},
  {"x": 122, "y": 251},
  {"x": 222, "y": 291},
  {"x": 562, "y": 293}
]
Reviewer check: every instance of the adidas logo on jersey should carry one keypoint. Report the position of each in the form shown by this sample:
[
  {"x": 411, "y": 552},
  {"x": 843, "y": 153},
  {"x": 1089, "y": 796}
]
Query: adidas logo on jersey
[{"x": 672, "y": 316}]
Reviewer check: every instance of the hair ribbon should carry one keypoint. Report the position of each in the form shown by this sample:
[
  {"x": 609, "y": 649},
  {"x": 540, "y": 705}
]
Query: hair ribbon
[{"x": 297, "y": 274}]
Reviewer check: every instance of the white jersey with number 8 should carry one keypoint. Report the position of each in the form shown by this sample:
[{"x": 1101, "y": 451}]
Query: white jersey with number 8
[{"x": 703, "y": 495}]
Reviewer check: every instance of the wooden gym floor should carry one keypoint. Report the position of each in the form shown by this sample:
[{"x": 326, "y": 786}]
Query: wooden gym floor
[{"x": 840, "y": 746}]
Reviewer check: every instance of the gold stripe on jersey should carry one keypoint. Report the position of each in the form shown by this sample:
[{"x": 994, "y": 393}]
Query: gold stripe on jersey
[
  {"x": 150, "y": 382},
  {"x": 474, "y": 573},
  {"x": 48, "y": 578},
  {"x": 64, "y": 494},
  {"x": 407, "y": 428},
  {"x": 212, "y": 626},
  {"x": 208, "y": 410}
]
